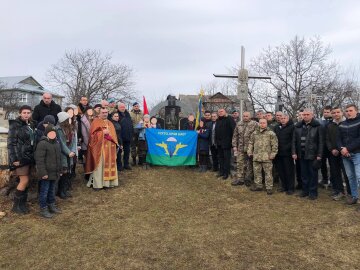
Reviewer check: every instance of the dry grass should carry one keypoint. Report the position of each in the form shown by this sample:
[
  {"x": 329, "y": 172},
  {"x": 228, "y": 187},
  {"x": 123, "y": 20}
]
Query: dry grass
[{"x": 176, "y": 218}]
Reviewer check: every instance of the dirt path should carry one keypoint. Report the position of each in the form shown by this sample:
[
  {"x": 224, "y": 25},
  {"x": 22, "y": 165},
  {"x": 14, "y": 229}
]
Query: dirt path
[{"x": 179, "y": 219}]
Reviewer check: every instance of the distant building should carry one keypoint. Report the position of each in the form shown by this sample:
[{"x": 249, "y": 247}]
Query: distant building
[
  {"x": 20, "y": 90},
  {"x": 215, "y": 102},
  {"x": 189, "y": 105}
]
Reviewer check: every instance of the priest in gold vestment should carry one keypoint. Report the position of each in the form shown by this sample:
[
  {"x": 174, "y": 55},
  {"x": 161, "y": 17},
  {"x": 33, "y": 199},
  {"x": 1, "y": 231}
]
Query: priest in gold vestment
[{"x": 101, "y": 154}]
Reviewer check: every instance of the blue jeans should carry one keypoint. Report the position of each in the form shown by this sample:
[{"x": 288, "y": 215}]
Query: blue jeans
[
  {"x": 47, "y": 193},
  {"x": 309, "y": 177},
  {"x": 352, "y": 168}
]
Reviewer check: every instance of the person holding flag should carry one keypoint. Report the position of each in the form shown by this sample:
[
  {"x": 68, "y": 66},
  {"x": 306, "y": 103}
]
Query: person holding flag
[{"x": 199, "y": 112}]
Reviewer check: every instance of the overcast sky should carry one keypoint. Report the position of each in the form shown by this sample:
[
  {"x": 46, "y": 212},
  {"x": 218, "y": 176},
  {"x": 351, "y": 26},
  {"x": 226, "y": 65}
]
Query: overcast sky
[{"x": 173, "y": 46}]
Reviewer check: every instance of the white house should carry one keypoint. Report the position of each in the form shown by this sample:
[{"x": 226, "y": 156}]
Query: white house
[{"x": 20, "y": 90}]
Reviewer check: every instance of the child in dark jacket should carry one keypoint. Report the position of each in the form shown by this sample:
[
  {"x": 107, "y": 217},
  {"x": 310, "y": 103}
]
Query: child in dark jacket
[
  {"x": 49, "y": 168},
  {"x": 203, "y": 145}
]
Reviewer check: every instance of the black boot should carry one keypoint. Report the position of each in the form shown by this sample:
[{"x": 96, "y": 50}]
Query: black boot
[
  {"x": 68, "y": 180},
  {"x": 17, "y": 202},
  {"x": 23, "y": 203},
  {"x": 61, "y": 188},
  {"x": 45, "y": 213},
  {"x": 133, "y": 161}
]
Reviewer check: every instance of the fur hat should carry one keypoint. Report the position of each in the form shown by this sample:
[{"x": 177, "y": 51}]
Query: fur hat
[
  {"x": 135, "y": 103},
  {"x": 63, "y": 116}
]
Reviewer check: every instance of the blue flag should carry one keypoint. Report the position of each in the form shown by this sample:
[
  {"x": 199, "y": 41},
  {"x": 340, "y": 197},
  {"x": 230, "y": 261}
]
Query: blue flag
[{"x": 171, "y": 147}]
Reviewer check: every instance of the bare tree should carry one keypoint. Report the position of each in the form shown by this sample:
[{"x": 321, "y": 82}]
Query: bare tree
[
  {"x": 227, "y": 87},
  {"x": 9, "y": 100},
  {"x": 297, "y": 69},
  {"x": 90, "y": 73}
]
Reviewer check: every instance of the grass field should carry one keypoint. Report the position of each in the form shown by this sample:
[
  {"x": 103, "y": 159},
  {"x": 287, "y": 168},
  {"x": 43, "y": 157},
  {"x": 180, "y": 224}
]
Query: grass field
[{"x": 176, "y": 218}]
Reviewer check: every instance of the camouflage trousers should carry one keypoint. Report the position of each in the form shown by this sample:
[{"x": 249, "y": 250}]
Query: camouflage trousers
[
  {"x": 245, "y": 171},
  {"x": 267, "y": 167}
]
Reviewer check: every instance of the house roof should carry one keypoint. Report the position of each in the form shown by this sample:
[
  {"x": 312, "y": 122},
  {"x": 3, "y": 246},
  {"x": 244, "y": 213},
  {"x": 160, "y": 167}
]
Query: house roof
[{"x": 24, "y": 83}]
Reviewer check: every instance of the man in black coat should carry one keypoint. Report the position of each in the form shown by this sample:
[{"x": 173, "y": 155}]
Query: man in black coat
[
  {"x": 46, "y": 107},
  {"x": 308, "y": 146},
  {"x": 213, "y": 147},
  {"x": 127, "y": 131},
  {"x": 335, "y": 161},
  {"x": 224, "y": 130},
  {"x": 283, "y": 161}
]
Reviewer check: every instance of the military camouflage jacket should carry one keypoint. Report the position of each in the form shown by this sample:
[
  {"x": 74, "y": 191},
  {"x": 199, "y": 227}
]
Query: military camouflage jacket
[
  {"x": 242, "y": 134},
  {"x": 263, "y": 145},
  {"x": 136, "y": 117}
]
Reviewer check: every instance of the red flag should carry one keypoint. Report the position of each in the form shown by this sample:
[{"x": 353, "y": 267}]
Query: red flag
[{"x": 146, "y": 111}]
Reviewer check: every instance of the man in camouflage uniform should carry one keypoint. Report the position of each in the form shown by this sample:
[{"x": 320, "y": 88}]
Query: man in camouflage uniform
[
  {"x": 240, "y": 141},
  {"x": 136, "y": 116},
  {"x": 263, "y": 147}
]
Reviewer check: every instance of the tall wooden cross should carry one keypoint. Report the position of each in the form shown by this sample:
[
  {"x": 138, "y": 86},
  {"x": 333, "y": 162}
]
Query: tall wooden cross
[{"x": 243, "y": 79}]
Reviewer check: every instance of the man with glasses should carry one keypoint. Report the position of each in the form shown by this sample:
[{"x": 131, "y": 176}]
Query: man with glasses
[{"x": 349, "y": 147}]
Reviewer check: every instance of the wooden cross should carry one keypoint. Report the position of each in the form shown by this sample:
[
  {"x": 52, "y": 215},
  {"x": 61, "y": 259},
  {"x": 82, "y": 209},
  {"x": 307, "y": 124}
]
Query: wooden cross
[
  {"x": 243, "y": 79},
  {"x": 310, "y": 99}
]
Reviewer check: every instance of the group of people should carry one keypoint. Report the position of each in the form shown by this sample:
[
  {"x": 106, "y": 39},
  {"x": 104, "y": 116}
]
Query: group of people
[
  {"x": 104, "y": 136},
  {"x": 54, "y": 141},
  {"x": 268, "y": 149}
]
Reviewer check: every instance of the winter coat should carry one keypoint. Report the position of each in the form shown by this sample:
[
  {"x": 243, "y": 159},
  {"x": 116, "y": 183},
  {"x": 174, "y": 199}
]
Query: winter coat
[
  {"x": 203, "y": 139},
  {"x": 85, "y": 130},
  {"x": 66, "y": 147},
  {"x": 48, "y": 159},
  {"x": 314, "y": 143},
  {"x": 136, "y": 117},
  {"x": 263, "y": 145},
  {"x": 82, "y": 109},
  {"x": 41, "y": 110},
  {"x": 117, "y": 127},
  {"x": 189, "y": 125},
  {"x": 21, "y": 142},
  {"x": 224, "y": 130},
  {"x": 140, "y": 131},
  {"x": 332, "y": 131},
  {"x": 40, "y": 131},
  {"x": 349, "y": 135},
  {"x": 272, "y": 124},
  {"x": 242, "y": 135},
  {"x": 127, "y": 128},
  {"x": 284, "y": 135}
]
